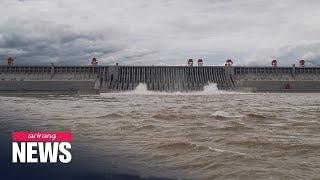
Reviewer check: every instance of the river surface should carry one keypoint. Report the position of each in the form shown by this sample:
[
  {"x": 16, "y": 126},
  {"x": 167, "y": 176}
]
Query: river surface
[{"x": 202, "y": 135}]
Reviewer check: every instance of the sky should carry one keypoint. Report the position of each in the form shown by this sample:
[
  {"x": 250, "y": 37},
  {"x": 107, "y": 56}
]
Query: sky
[{"x": 160, "y": 32}]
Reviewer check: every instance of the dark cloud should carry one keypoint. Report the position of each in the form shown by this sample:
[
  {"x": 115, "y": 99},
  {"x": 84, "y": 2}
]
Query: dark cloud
[
  {"x": 42, "y": 42},
  {"x": 160, "y": 31}
]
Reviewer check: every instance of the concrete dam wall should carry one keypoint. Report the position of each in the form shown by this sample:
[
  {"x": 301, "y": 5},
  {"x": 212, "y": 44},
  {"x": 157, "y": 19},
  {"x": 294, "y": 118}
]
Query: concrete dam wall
[
  {"x": 270, "y": 79},
  {"x": 101, "y": 79},
  {"x": 49, "y": 79}
]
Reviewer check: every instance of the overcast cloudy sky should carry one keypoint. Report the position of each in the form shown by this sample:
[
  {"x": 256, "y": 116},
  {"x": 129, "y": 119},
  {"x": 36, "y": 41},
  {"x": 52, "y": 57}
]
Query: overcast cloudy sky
[{"x": 160, "y": 32}]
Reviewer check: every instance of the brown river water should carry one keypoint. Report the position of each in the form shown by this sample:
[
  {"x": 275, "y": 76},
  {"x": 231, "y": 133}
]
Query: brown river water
[{"x": 203, "y": 135}]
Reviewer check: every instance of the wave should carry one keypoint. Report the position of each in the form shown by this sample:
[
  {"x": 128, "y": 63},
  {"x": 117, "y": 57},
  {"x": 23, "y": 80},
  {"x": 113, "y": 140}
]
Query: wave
[
  {"x": 226, "y": 151},
  {"x": 235, "y": 125},
  {"x": 221, "y": 115},
  {"x": 146, "y": 127},
  {"x": 176, "y": 145},
  {"x": 111, "y": 115},
  {"x": 126, "y": 127},
  {"x": 142, "y": 89},
  {"x": 165, "y": 116},
  {"x": 256, "y": 116}
]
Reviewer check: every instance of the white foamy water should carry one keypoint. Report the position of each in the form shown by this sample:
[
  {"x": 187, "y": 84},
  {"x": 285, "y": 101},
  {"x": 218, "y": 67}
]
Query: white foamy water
[
  {"x": 142, "y": 89},
  {"x": 211, "y": 88}
]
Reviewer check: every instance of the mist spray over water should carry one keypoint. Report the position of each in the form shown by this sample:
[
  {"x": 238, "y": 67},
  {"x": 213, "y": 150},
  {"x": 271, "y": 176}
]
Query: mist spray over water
[
  {"x": 210, "y": 88},
  {"x": 142, "y": 88}
]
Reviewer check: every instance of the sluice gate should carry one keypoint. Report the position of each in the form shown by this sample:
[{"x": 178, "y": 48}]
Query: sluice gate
[{"x": 166, "y": 78}]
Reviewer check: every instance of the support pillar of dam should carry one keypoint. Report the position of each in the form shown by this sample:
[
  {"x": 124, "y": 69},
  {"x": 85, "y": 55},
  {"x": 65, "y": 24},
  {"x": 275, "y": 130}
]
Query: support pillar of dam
[
  {"x": 110, "y": 79},
  {"x": 97, "y": 84},
  {"x": 51, "y": 70},
  {"x": 293, "y": 72},
  {"x": 229, "y": 74}
]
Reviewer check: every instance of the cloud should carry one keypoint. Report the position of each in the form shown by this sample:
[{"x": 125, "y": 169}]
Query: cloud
[
  {"x": 159, "y": 32},
  {"x": 42, "y": 42},
  {"x": 308, "y": 50}
]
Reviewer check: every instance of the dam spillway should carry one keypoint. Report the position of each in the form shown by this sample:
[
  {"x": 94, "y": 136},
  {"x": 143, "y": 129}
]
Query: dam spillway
[
  {"x": 103, "y": 79},
  {"x": 163, "y": 78}
]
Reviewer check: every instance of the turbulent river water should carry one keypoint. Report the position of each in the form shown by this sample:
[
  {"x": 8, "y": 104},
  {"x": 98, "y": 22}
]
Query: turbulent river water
[{"x": 203, "y": 135}]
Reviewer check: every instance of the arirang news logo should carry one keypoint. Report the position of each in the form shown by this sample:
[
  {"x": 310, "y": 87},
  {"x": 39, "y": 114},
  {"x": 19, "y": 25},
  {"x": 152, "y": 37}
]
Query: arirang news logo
[{"x": 41, "y": 147}]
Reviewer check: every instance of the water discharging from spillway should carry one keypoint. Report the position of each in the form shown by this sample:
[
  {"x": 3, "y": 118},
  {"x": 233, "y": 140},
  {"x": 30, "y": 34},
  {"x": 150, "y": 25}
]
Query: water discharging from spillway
[
  {"x": 210, "y": 89},
  {"x": 207, "y": 90}
]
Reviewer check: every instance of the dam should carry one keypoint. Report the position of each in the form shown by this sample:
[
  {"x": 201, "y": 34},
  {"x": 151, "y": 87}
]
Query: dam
[{"x": 104, "y": 79}]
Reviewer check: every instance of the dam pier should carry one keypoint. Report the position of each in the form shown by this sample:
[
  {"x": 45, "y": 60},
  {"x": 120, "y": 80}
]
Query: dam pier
[{"x": 104, "y": 79}]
